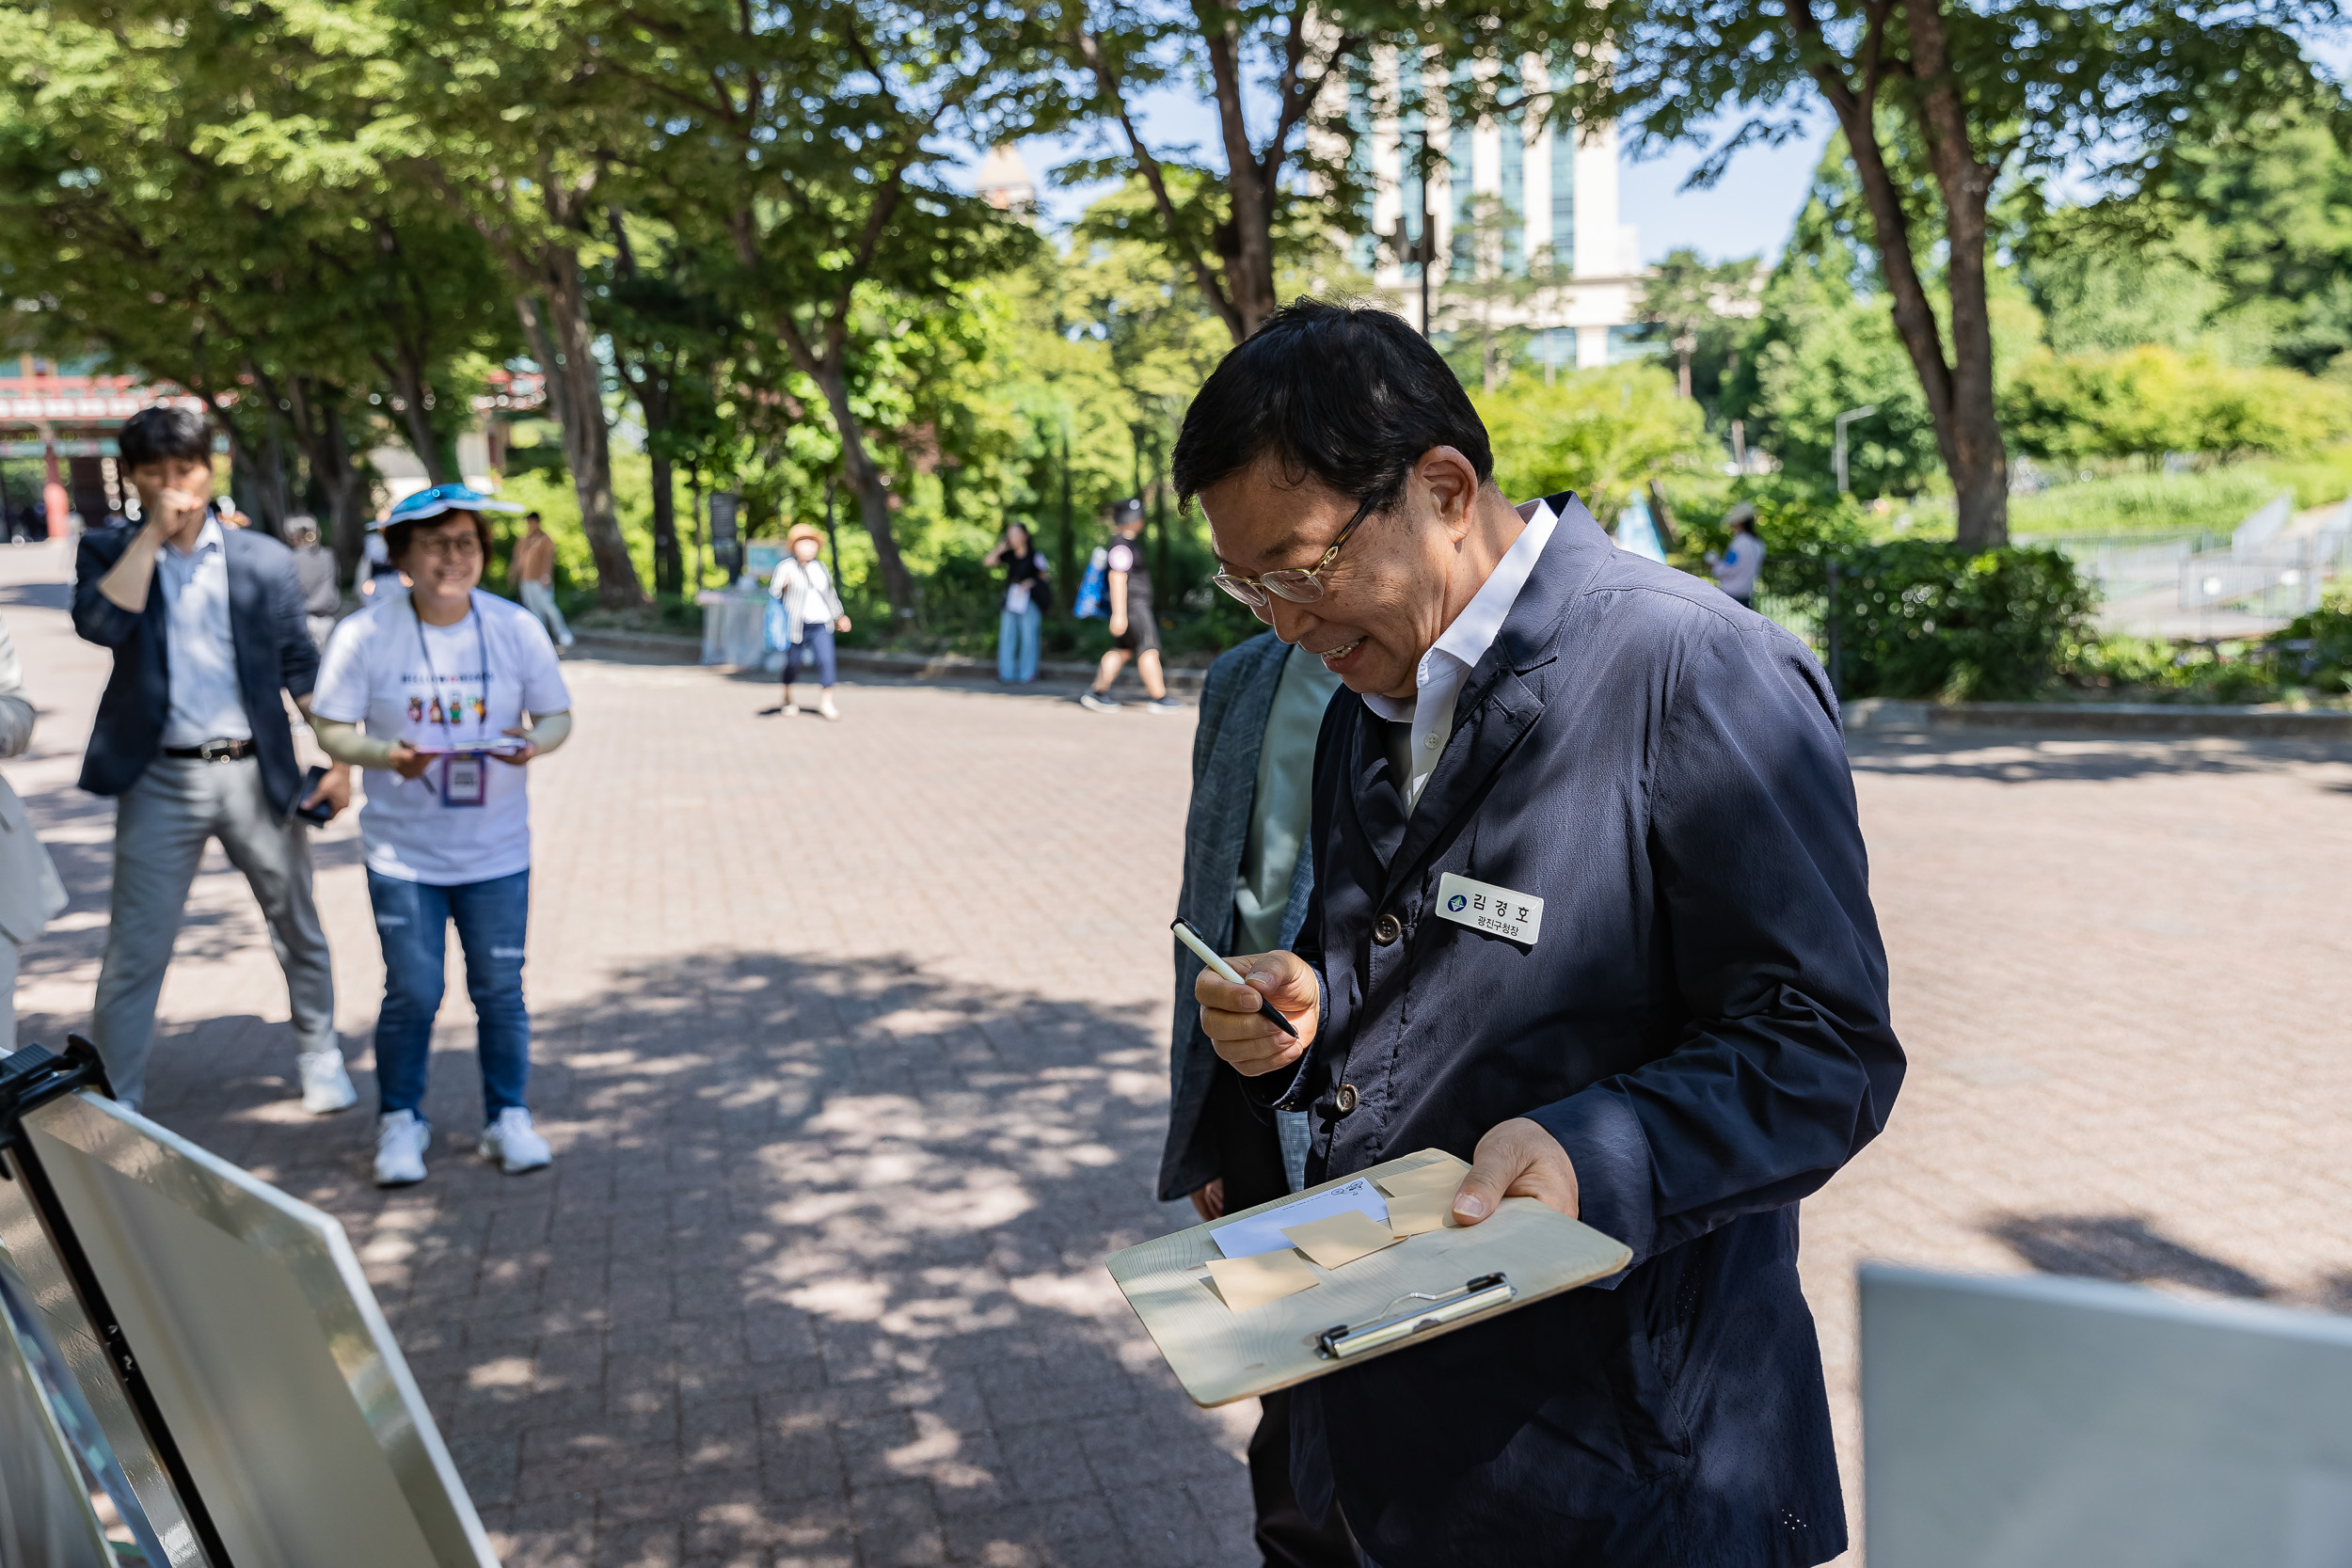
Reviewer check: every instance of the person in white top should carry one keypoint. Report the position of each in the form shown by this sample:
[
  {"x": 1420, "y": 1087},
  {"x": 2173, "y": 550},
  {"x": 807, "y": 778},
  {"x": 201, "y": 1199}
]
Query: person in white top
[
  {"x": 444, "y": 695},
  {"x": 809, "y": 606},
  {"x": 1742, "y": 559}
]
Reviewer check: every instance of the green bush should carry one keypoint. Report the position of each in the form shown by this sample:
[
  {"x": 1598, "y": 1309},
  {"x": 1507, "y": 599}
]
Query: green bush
[
  {"x": 1920, "y": 619},
  {"x": 2151, "y": 399},
  {"x": 2327, "y": 665}
]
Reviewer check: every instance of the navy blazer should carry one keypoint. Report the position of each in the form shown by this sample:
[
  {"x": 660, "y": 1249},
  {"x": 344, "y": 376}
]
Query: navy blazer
[
  {"x": 1702, "y": 1023},
  {"x": 1234, "y": 702},
  {"x": 273, "y": 646}
]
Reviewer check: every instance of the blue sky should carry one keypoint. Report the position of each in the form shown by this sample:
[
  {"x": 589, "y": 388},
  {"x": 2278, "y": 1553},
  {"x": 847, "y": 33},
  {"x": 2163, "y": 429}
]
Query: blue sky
[{"x": 1747, "y": 213}]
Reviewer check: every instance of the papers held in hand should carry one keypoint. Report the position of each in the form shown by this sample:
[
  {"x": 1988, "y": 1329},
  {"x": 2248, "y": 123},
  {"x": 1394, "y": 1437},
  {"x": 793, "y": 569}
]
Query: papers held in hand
[
  {"x": 1239, "y": 1310},
  {"x": 1242, "y": 1283},
  {"x": 1261, "y": 1231}
]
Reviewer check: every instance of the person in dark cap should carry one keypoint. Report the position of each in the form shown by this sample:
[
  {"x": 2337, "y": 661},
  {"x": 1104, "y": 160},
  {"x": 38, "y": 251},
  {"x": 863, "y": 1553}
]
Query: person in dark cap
[{"x": 1133, "y": 631}]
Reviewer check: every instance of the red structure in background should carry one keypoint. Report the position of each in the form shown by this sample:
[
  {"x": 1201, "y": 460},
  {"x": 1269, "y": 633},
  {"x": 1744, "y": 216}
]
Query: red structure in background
[{"x": 68, "y": 417}]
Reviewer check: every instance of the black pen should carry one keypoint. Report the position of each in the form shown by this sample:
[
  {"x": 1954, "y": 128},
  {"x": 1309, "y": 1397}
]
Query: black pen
[{"x": 1193, "y": 940}]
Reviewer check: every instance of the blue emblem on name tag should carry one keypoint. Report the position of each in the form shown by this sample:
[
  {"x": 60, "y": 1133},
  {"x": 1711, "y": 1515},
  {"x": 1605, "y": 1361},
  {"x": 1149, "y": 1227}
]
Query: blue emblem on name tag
[{"x": 1457, "y": 903}]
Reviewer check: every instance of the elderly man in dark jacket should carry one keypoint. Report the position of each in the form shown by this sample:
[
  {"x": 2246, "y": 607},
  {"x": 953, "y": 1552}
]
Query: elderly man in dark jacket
[{"x": 1590, "y": 911}]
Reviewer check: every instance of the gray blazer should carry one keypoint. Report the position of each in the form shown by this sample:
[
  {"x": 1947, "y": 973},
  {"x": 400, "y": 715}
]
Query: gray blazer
[
  {"x": 30, "y": 893},
  {"x": 1233, "y": 706}
]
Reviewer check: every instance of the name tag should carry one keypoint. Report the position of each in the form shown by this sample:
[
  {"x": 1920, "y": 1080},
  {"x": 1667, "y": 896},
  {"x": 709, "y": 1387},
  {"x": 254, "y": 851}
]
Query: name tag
[
  {"x": 1483, "y": 907},
  {"x": 464, "y": 781}
]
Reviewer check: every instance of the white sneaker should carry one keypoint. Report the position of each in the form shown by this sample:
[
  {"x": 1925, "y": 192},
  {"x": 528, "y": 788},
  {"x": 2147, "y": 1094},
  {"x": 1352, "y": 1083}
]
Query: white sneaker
[
  {"x": 1094, "y": 704},
  {"x": 514, "y": 1144},
  {"x": 326, "y": 1086},
  {"x": 400, "y": 1140},
  {"x": 1163, "y": 705},
  {"x": 825, "y": 707}
]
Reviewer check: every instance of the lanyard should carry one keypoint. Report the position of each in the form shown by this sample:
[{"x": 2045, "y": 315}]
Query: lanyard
[{"x": 433, "y": 677}]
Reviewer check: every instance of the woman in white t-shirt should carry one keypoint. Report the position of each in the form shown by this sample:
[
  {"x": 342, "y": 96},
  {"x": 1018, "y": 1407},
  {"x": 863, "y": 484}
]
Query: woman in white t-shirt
[
  {"x": 811, "y": 612},
  {"x": 442, "y": 678}
]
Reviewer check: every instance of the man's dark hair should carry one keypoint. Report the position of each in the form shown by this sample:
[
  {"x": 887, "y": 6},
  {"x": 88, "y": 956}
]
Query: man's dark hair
[
  {"x": 530, "y": 518},
  {"x": 1346, "y": 393},
  {"x": 152, "y": 435},
  {"x": 398, "y": 537}
]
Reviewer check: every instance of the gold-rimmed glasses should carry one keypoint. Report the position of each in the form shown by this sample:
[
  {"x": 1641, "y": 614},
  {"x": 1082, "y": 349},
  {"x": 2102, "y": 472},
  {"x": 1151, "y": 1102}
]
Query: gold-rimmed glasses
[{"x": 1301, "y": 585}]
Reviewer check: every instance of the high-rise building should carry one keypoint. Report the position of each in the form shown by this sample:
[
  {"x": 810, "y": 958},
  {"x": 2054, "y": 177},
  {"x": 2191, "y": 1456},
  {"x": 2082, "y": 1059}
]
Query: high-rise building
[{"x": 1547, "y": 199}]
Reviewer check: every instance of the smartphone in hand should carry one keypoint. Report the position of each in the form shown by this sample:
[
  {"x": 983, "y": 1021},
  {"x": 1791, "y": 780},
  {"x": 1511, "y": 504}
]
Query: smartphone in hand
[{"x": 318, "y": 816}]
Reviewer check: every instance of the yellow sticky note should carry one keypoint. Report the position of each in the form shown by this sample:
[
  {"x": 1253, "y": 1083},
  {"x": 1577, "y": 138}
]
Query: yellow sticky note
[
  {"x": 1247, "y": 1282},
  {"x": 1422, "y": 1178},
  {"x": 1431, "y": 1209},
  {"x": 1338, "y": 1240}
]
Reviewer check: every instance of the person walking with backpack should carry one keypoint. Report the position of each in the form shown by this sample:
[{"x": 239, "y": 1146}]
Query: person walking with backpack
[
  {"x": 1134, "y": 630},
  {"x": 444, "y": 695},
  {"x": 812, "y": 613},
  {"x": 1027, "y": 581}
]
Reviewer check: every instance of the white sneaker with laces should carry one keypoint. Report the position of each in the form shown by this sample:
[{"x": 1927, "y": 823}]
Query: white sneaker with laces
[
  {"x": 514, "y": 1144},
  {"x": 326, "y": 1086},
  {"x": 825, "y": 708},
  {"x": 400, "y": 1140}
]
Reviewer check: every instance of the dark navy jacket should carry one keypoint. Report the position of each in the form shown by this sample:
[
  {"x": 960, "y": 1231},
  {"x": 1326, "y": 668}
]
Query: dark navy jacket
[
  {"x": 1703, "y": 1026},
  {"x": 272, "y": 650}
]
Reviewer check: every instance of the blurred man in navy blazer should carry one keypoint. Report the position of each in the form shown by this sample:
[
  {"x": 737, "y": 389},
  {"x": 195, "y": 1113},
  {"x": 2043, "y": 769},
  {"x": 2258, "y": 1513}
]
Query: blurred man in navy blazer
[
  {"x": 1590, "y": 911},
  {"x": 207, "y": 628}
]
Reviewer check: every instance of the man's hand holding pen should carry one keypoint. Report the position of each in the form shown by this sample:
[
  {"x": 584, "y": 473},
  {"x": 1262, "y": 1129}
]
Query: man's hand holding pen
[{"x": 1243, "y": 1035}]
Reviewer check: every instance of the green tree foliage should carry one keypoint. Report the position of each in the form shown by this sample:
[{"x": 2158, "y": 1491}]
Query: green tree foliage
[
  {"x": 2154, "y": 398},
  {"x": 166, "y": 206},
  {"x": 1940, "y": 103},
  {"x": 1699, "y": 309},
  {"x": 1602, "y": 433}
]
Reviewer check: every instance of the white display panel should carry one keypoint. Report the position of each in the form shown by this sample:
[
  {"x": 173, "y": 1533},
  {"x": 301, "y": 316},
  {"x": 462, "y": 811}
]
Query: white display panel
[{"x": 2068, "y": 1423}]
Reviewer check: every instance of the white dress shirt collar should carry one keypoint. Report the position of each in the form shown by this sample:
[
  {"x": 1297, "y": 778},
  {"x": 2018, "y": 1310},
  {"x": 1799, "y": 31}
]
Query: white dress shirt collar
[{"x": 1438, "y": 679}]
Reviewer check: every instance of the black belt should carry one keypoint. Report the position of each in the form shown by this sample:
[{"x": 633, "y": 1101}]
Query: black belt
[{"x": 214, "y": 750}]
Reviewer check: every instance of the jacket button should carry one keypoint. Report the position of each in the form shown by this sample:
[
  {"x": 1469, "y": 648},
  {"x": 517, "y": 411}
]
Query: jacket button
[
  {"x": 1344, "y": 1100},
  {"x": 1386, "y": 930}
]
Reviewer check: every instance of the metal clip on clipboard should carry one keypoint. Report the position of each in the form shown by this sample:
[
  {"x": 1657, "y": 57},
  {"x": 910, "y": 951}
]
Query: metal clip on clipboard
[{"x": 1340, "y": 1342}]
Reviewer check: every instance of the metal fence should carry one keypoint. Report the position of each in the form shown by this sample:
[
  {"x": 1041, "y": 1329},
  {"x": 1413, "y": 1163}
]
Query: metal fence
[{"x": 2200, "y": 586}]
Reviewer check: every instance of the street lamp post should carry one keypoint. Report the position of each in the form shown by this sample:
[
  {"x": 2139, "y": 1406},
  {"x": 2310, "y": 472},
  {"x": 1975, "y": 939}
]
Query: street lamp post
[{"x": 1840, "y": 458}]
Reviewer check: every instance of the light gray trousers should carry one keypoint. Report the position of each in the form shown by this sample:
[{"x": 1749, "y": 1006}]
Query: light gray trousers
[{"x": 161, "y": 824}]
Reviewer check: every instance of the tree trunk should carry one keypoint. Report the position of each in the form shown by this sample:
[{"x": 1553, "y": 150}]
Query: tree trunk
[
  {"x": 865, "y": 483},
  {"x": 581, "y": 408},
  {"x": 408, "y": 385},
  {"x": 318, "y": 425},
  {"x": 1980, "y": 458},
  {"x": 668, "y": 573},
  {"x": 1250, "y": 263}
]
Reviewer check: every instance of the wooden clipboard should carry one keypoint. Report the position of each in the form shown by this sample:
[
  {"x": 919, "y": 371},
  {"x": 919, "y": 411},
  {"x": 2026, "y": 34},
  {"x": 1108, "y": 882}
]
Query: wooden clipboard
[{"x": 1423, "y": 1287}]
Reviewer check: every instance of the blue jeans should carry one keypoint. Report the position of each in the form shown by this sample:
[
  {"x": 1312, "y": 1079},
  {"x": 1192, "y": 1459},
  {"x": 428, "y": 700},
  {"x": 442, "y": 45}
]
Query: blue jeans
[
  {"x": 1016, "y": 644},
  {"x": 816, "y": 645},
  {"x": 412, "y": 922}
]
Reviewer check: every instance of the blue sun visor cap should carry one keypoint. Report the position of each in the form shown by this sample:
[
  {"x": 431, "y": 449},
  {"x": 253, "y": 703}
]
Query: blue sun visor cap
[{"x": 435, "y": 500}]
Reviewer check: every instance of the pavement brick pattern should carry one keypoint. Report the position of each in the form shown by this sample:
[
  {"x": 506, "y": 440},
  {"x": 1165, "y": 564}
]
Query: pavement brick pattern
[{"x": 850, "y": 1044}]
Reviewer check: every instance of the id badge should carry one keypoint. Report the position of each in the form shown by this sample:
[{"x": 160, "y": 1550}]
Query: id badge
[
  {"x": 1491, "y": 908},
  {"x": 464, "y": 781}
]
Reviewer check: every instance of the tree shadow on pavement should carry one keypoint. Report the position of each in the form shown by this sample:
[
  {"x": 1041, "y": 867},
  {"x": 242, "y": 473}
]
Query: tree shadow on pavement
[
  {"x": 2122, "y": 1248},
  {"x": 2013, "y": 756},
  {"x": 816, "y": 1275}
]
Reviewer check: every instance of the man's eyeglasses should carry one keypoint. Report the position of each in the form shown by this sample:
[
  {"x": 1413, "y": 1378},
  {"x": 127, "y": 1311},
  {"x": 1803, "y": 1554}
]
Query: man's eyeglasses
[{"x": 1301, "y": 585}]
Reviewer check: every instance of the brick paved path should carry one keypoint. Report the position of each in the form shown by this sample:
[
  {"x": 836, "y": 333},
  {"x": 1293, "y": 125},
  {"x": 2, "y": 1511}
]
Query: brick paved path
[{"x": 850, "y": 1043}]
